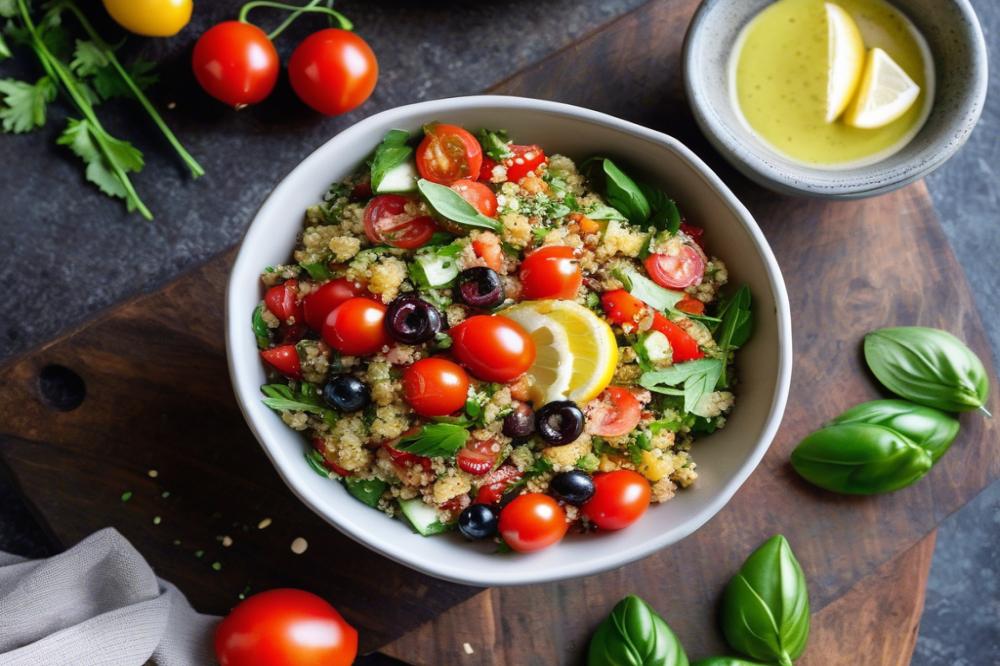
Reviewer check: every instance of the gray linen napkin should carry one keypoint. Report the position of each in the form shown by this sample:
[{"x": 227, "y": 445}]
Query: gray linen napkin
[{"x": 99, "y": 603}]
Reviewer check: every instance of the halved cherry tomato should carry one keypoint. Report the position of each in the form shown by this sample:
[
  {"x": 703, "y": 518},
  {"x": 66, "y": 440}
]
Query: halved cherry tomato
[
  {"x": 620, "y": 498},
  {"x": 405, "y": 458},
  {"x": 616, "y": 412},
  {"x": 494, "y": 348},
  {"x": 495, "y": 484},
  {"x": 320, "y": 303},
  {"x": 435, "y": 386},
  {"x": 236, "y": 63},
  {"x": 685, "y": 348},
  {"x": 487, "y": 247},
  {"x": 478, "y": 194},
  {"x": 448, "y": 153},
  {"x": 289, "y": 334},
  {"x": 320, "y": 446},
  {"x": 333, "y": 71},
  {"x": 478, "y": 456},
  {"x": 696, "y": 233},
  {"x": 283, "y": 301},
  {"x": 676, "y": 271},
  {"x": 285, "y": 626},
  {"x": 486, "y": 171},
  {"x": 691, "y": 306},
  {"x": 531, "y": 522},
  {"x": 284, "y": 359},
  {"x": 356, "y": 327},
  {"x": 623, "y": 308},
  {"x": 551, "y": 272},
  {"x": 388, "y": 223},
  {"x": 525, "y": 160}
]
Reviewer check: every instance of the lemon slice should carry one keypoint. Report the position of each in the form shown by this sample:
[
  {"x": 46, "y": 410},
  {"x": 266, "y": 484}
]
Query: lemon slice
[
  {"x": 886, "y": 92},
  {"x": 576, "y": 350},
  {"x": 845, "y": 60}
]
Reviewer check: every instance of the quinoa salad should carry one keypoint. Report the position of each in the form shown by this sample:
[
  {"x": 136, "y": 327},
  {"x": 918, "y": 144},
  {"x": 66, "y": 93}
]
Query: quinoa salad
[{"x": 477, "y": 335}]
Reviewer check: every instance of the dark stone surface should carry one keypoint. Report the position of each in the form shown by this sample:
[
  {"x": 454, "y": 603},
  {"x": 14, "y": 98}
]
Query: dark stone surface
[{"x": 69, "y": 252}]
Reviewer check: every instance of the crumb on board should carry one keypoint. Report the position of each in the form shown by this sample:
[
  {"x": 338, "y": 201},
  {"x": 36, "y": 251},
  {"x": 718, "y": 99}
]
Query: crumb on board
[
  {"x": 299, "y": 545},
  {"x": 467, "y": 648},
  {"x": 264, "y": 524},
  {"x": 153, "y": 473}
]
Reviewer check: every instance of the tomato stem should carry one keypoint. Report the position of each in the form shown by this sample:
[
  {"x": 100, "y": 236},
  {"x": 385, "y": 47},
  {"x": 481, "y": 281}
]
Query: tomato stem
[{"x": 312, "y": 7}]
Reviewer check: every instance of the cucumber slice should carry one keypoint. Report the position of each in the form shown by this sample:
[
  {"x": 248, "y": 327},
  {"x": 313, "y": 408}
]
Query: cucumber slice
[
  {"x": 435, "y": 270},
  {"x": 422, "y": 517},
  {"x": 398, "y": 179},
  {"x": 654, "y": 349}
]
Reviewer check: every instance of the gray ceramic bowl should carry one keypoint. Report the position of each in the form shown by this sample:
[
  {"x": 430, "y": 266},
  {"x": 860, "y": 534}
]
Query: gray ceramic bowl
[{"x": 956, "y": 42}]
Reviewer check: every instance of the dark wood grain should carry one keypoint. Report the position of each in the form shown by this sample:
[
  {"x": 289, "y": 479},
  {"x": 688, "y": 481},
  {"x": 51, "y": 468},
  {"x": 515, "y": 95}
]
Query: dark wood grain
[{"x": 158, "y": 398}]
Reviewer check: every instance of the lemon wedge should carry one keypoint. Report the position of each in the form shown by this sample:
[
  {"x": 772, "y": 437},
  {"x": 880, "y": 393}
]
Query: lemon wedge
[
  {"x": 845, "y": 60},
  {"x": 576, "y": 351},
  {"x": 886, "y": 92}
]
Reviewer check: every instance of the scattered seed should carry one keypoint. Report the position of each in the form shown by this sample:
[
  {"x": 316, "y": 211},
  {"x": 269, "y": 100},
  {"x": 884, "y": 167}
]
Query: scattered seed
[
  {"x": 153, "y": 473},
  {"x": 227, "y": 541},
  {"x": 165, "y": 494},
  {"x": 299, "y": 545},
  {"x": 217, "y": 566},
  {"x": 199, "y": 553},
  {"x": 127, "y": 495},
  {"x": 264, "y": 524},
  {"x": 468, "y": 648},
  {"x": 244, "y": 593},
  {"x": 157, "y": 520},
  {"x": 171, "y": 105},
  {"x": 177, "y": 542}
]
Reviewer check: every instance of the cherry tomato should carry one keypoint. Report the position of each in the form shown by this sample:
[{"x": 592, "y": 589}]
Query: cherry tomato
[
  {"x": 356, "y": 327},
  {"x": 285, "y": 626},
  {"x": 685, "y": 348},
  {"x": 623, "y": 308},
  {"x": 388, "y": 223},
  {"x": 531, "y": 522},
  {"x": 616, "y": 412},
  {"x": 333, "y": 71},
  {"x": 236, "y": 63},
  {"x": 486, "y": 171},
  {"x": 487, "y": 247},
  {"x": 525, "y": 160},
  {"x": 406, "y": 459},
  {"x": 150, "y": 18},
  {"x": 435, "y": 387},
  {"x": 676, "y": 271},
  {"x": 691, "y": 306},
  {"x": 283, "y": 301},
  {"x": 495, "y": 484},
  {"x": 478, "y": 194},
  {"x": 320, "y": 303},
  {"x": 291, "y": 333},
  {"x": 478, "y": 456},
  {"x": 284, "y": 359},
  {"x": 320, "y": 445},
  {"x": 551, "y": 272},
  {"x": 448, "y": 153},
  {"x": 620, "y": 498},
  {"x": 494, "y": 348},
  {"x": 696, "y": 233}
]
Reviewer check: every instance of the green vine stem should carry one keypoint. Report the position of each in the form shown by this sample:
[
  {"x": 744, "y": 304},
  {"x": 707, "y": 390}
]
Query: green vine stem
[{"x": 312, "y": 7}]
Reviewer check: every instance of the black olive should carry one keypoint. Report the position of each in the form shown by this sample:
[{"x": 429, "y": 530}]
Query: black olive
[
  {"x": 477, "y": 521},
  {"x": 346, "y": 393},
  {"x": 573, "y": 487},
  {"x": 520, "y": 422},
  {"x": 412, "y": 320},
  {"x": 479, "y": 287},
  {"x": 559, "y": 422}
]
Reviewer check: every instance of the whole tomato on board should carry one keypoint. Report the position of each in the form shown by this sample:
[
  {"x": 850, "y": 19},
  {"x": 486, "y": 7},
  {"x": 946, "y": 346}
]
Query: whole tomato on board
[
  {"x": 287, "y": 627},
  {"x": 236, "y": 63},
  {"x": 333, "y": 71}
]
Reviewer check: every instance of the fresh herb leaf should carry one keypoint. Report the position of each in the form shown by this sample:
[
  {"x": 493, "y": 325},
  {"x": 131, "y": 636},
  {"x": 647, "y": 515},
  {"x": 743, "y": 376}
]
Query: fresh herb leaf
[
  {"x": 647, "y": 291},
  {"x": 392, "y": 152},
  {"x": 260, "y": 329},
  {"x": 635, "y": 635},
  {"x": 317, "y": 271},
  {"x": 435, "y": 440},
  {"x": 620, "y": 191},
  {"x": 368, "y": 491},
  {"x": 450, "y": 205},
  {"x": 108, "y": 160},
  {"x": 87, "y": 58},
  {"x": 665, "y": 215},
  {"x": 699, "y": 378},
  {"x": 603, "y": 212},
  {"x": 315, "y": 460},
  {"x": 23, "y": 104},
  {"x": 734, "y": 327},
  {"x": 4, "y": 49},
  {"x": 495, "y": 143},
  {"x": 109, "y": 84},
  {"x": 8, "y": 8},
  {"x": 281, "y": 398}
]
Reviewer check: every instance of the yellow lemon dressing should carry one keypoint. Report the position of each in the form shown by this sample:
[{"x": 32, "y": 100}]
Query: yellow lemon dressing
[{"x": 781, "y": 71}]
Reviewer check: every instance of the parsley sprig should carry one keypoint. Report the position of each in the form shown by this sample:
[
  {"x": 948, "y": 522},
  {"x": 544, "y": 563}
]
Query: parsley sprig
[{"x": 435, "y": 440}]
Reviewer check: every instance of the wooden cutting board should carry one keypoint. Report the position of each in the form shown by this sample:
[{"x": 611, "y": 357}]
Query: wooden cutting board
[{"x": 157, "y": 399}]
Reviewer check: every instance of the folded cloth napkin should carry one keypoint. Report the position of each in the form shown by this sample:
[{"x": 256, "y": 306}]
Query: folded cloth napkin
[{"x": 97, "y": 604}]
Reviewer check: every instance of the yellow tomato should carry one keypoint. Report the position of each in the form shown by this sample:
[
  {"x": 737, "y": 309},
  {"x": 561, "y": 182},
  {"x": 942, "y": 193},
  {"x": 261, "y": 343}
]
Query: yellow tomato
[{"x": 152, "y": 18}]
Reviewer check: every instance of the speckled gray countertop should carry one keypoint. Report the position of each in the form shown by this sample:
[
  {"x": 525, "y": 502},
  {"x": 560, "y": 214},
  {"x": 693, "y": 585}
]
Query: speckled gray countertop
[{"x": 68, "y": 253}]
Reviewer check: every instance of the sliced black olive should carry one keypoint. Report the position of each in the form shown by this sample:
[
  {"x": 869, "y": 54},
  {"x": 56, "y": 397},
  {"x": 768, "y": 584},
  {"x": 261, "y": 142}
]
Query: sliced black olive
[
  {"x": 346, "y": 393},
  {"x": 520, "y": 422},
  {"x": 479, "y": 287},
  {"x": 573, "y": 487},
  {"x": 559, "y": 422},
  {"x": 477, "y": 521},
  {"x": 412, "y": 320}
]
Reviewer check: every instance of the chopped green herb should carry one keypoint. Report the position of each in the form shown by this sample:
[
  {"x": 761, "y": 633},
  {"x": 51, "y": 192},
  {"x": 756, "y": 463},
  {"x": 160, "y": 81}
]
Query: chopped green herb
[
  {"x": 127, "y": 495},
  {"x": 217, "y": 566},
  {"x": 495, "y": 143},
  {"x": 157, "y": 520},
  {"x": 367, "y": 491},
  {"x": 315, "y": 460},
  {"x": 699, "y": 378},
  {"x": 735, "y": 327},
  {"x": 317, "y": 271},
  {"x": 260, "y": 329},
  {"x": 434, "y": 440},
  {"x": 665, "y": 215},
  {"x": 199, "y": 553}
]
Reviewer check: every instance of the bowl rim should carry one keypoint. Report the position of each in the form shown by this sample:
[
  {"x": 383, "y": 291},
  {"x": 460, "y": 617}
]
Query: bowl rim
[
  {"x": 754, "y": 166},
  {"x": 235, "y": 321}
]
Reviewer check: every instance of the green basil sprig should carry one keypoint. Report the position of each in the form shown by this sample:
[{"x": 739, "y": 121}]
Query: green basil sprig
[
  {"x": 765, "y": 607},
  {"x": 735, "y": 327},
  {"x": 624, "y": 194},
  {"x": 664, "y": 215},
  {"x": 392, "y": 152},
  {"x": 449, "y": 204},
  {"x": 726, "y": 661},
  {"x": 928, "y": 366},
  {"x": 435, "y": 439},
  {"x": 634, "y": 635},
  {"x": 929, "y": 428}
]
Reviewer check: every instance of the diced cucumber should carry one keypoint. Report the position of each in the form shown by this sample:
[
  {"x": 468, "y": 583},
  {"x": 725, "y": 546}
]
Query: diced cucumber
[
  {"x": 422, "y": 517},
  {"x": 400, "y": 178},
  {"x": 435, "y": 269},
  {"x": 654, "y": 349}
]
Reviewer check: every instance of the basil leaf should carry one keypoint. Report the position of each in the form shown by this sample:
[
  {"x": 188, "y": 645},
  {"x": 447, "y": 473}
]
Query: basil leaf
[
  {"x": 368, "y": 491},
  {"x": 624, "y": 194},
  {"x": 392, "y": 152},
  {"x": 929, "y": 428},
  {"x": 435, "y": 440},
  {"x": 699, "y": 378},
  {"x": 928, "y": 366},
  {"x": 735, "y": 325},
  {"x": 495, "y": 143},
  {"x": 726, "y": 661},
  {"x": 648, "y": 291},
  {"x": 317, "y": 271},
  {"x": 765, "y": 607},
  {"x": 860, "y": 459},
  {"x": 315, "y": 460},
  {"x": 450, "y": 205},
  {"x": 634, "y": 635},
  {"x": 260, "y": 330},
  {"x": 665, "y": 215},
  {"x": 602, "y": 212}
]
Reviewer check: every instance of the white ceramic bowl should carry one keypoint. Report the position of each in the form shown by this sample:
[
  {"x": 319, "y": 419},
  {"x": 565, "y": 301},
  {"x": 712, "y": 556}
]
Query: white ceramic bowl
[{"x": 725, "y": 459}]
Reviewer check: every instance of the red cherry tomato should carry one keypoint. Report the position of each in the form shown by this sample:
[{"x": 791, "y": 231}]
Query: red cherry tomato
[
  {"x": 620, "y": 498},
  {"x": 616, "y": 412},
  {"x": 283, "y": 301},
  {"x": 478, "y": 456},
  {"x": 691, "y": 306},
  {"x": 487, "y": 247},
  {"x": 284, "y": 359},
  {"x": 285, "y": 626},
  {"x": 388, "y": 223},
  {"x": 532, "y": 522},
  {"x": 478, "y": 194},
  {"x": 696, "y": 234},
  {"x": 623, "y": 308},
  {"x": 525, "y": 160},
  {"x": 320, "y": 303},
  {"x": 551, "y": 272},
  {"x": 289, "y": 334},
  {"x": 495, "y": 484},
  {"x": 448, "y": 153},
  {"x": 486, "y": 171},
  {"x": 685, "y": 348},
  {"x": 236, "y": 63},
  {"x": 320, "y": 445},
  {"x": 435, "y": 387},
  {"x": 494, "y": 348},
  {"x": 356, "y": 327},
  {"x": 333, "y": 71},
  {"x": 405, "y": 459},
  {"x": 676, "y": 271}
]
